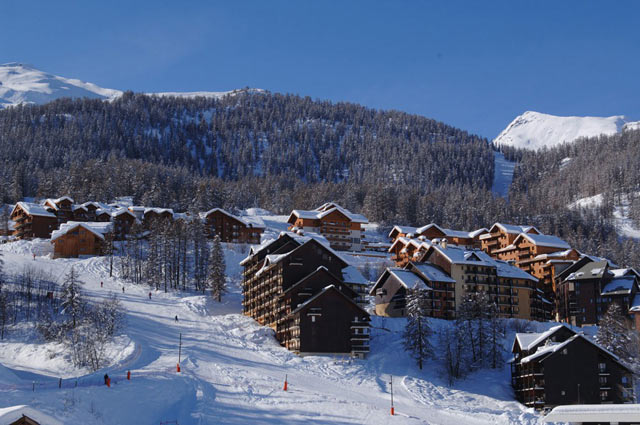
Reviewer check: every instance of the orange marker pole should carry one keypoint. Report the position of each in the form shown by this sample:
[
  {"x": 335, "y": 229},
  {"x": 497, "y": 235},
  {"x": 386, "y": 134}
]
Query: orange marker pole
[
  {"x": 285, "y": 382},
  {"x": 393, "y": 411},
  {"x": 109, "y": 382},
  {"x": 128, "y": 375}
]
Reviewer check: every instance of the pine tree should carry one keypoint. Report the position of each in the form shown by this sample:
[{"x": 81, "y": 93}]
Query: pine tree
[
  {"x": 1, "y": 271},
  {"x": 72, "y": 301},
  {"x": 615, "y": 335},
  {"x": 417, "y": 331},
  {"x": 216, "y": 277}
]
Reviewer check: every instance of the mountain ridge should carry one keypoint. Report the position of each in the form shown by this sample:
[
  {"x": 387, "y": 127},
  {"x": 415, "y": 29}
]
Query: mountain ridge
[
  {"x": 22, "y": 83},
  {"x": 535, "y": 130}
]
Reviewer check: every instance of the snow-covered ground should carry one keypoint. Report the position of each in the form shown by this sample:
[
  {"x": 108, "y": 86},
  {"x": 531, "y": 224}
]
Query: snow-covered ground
[
  {"x": 624, "y": 225},
  {"x": 503, "y": 174},
  {"x": 535, "y": 130},
  {"x": 233, "y": 369}
]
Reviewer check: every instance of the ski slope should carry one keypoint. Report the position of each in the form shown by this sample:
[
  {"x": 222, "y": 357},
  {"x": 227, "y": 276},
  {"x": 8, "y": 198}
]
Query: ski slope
[
  {"x": 503, "y": 174},
  {"x": 233, "y": 370}
]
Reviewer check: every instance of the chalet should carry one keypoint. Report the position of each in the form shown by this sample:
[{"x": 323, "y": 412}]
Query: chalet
[
  {"x": 560, "y": 367},
  {"x": 153, "y": 216},
  {"x": 342, "y": 228},
  {"x": 122, "y": 220},
  {"x": 232, "y": 228},
  {"x": 32, "y": 221},
  {"x": 308, "y": 294},
  {"x": 81, "y": 213},
  {"x": 391, "y": 288},
  {"x": 402, "y": 232},
  {"x": 75, "y": 238},
  {"x": 514, "y": 291},
  {"x": 61, "y": 207},
  {"x": 103, "y": 215},
  {"x": 502, "y": 235},
  {"x": 589, "y": 287}
]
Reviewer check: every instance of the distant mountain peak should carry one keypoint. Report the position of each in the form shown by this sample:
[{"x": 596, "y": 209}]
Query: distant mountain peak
[
  {"x": 22, "y": 83},
  {"x": 535, "y": 130}
]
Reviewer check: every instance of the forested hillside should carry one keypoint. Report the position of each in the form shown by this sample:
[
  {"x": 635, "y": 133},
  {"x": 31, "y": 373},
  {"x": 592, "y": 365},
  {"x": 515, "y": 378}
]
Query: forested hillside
[{"x": 282, "y": 152}]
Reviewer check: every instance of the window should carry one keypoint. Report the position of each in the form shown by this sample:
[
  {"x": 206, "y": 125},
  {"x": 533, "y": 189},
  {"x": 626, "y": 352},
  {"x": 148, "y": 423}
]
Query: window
[
  {"x": 604, "y": 395},
  {"x": 602, "y": 367},
  {"x": 563, "y": 392},
  {"x": 565, "y": 352},
  {"x": 603, "y": 380}
]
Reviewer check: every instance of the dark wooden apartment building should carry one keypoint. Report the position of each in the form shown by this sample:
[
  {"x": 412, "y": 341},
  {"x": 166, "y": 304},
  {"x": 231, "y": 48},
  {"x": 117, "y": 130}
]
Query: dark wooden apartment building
[
  {"x": 32, "y": 221},
  {"x": 561, "y": 367},
  {"x": 300, "y": 287},
  {"x": 589, "y": 286}
]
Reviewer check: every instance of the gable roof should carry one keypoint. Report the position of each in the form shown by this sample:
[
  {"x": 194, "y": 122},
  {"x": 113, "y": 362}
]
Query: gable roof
[
  {"x": 99, "y": 229},
  {"x": 544, "y": 240},
  {"x": 249, "y": 221},
  {"x": 431, "y": 272},
  {"x": 619, "y": 286},
  {"x": 33, "y": 209},
  {"x": 11, "y": 414},
  {"x": 609, "y": 413},
  {"x": 590, "y": 270},
  {"x": 403, "y": 229},
  {"x": 321, "y": 269},
  {"x": 530, "y": 340},
  {"x": 271, "y": 260},
  {"x": 324, "y": 291},
  {"x": 351, "y": 274},
  {"x": 514, "y": 228}
]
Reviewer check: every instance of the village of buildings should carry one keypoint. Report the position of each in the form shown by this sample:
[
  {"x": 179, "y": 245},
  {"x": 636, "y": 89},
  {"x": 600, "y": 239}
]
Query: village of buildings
[{"x": 317, "y": 302}]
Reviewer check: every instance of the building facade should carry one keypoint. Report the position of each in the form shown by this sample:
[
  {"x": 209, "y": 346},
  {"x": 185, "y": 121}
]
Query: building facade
[{"x": 232, "y": 228}]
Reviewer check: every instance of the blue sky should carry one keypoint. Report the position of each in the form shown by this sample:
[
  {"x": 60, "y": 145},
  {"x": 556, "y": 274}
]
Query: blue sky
[{"x": 475, "y": 65}]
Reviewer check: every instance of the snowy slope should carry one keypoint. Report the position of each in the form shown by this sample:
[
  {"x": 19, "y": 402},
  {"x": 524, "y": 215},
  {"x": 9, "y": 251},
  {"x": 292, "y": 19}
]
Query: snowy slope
[
  {"x": 624, "y": 225},
  {"x": 534, "y": 130},
  {"x": 22, "y": 83},
  {"x": 503, "y": 174},
  {"x": 233, "y": 370}
]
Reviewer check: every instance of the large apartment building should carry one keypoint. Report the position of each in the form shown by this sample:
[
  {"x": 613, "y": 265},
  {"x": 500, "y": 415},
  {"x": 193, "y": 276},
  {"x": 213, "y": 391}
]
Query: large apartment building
[
  {"x": 342, "y": 228},
  {"x": 514, "y": 291},
  {"x": 311, "y": 297},
  {"x": 561, "y": 367},
  {"x": 589, "y": 286}
]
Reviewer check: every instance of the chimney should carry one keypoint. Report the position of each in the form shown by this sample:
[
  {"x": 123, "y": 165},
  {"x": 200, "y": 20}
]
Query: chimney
[{"x": 443, "y": 243}]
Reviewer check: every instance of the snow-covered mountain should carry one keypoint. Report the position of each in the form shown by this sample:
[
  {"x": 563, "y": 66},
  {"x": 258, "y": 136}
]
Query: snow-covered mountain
[
  {"x": 22, "y": 83},
  {"x": 535, "y": 130}
]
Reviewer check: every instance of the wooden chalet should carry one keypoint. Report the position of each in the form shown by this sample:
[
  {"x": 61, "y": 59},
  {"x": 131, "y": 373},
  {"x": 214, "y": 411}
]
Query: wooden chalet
[
  {"x": 122, "y": 220},
  {"x": 75, "y": 239},
  {"x": 502, "y": 235},
  {"x": 590, "y": 286},
  {"x": 560, "y": 367},
  {"x": 404, "y": 249},
  {"x": 298, "y": 286},
  {"x": 342, "y": 228},
  {"x": 25, "y": 415},
  {"x": 155, "y": 216},
  {"x": 514, "y": 291},
  {"x": 232, "y": 228},
  {"x": 390, "y": 290},
  {"x": 32, "y": 221},
  {"x": 61, "y": 207}
]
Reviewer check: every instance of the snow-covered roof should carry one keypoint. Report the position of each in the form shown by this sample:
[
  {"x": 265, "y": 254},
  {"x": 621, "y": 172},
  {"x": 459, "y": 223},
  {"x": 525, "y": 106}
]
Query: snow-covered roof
[
  {"x": 529, "y": 340},
  {"x": 433, "y": 273},
  {"x": 591, "y": 270},
  {"x": 460, "y": 255},
  {"x": 351, "y": 274},
  {"x": 158, "y": 210},
  {"x": 544, "y": 240},
  {"x": 97, "y": 228},
  {"x": 33, "y": 209},
  {"x": 549, "y": 348},
  {"x": 249, "y": 221},
  {"x": 514, "y": 228},
  {"x": 505, "y": 269},
  {"x": 403, "y": 229},
  {"x": 619, "y": 286},
  {"x": 120, "y": 211},
  {"x": 11, "y": 414},
  {"x": 409, "y": 279},
  {"x": 635, "y": 304},
  {"x": 610, "y": 413},
  {"x": 134, "y": 208},
  {"x": 323, "y": 211},
  {"x": 78, "y": 207}
]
